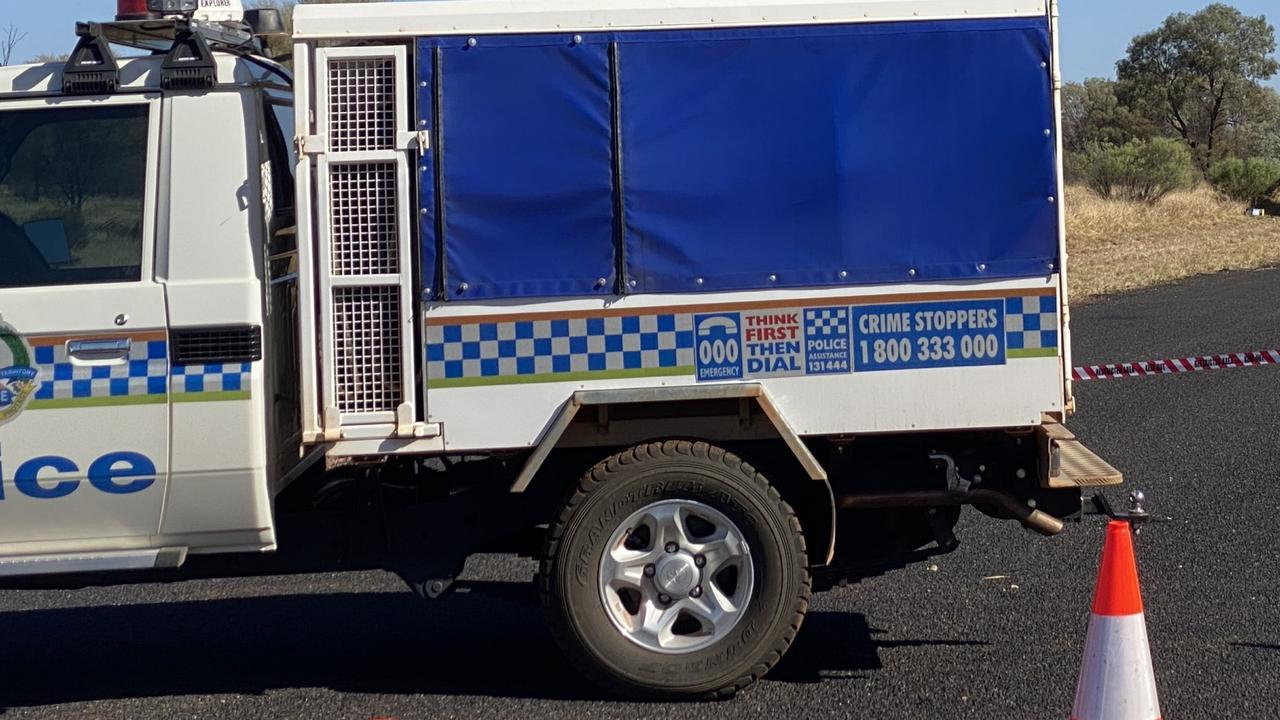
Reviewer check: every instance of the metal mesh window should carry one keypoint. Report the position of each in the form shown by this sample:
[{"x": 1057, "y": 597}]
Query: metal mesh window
[
  {"x": 362, "y": 104},
  {"x": 366, "y": 344},
  {"x": 363, "y": 228}
]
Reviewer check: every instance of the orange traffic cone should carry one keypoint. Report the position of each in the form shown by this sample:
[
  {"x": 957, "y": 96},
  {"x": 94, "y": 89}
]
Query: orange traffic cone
[{"x": 1116, "y": 679}]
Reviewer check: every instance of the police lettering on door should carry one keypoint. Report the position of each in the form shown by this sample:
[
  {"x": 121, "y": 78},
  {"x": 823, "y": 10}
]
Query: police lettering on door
[{"x": 49, "y": 477}]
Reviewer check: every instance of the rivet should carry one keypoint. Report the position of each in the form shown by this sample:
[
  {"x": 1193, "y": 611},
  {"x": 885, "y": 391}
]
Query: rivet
[
  {"x": 422, "y": 123},
  {"x": 422, "y": 84},
  {"x": 982, "y": 267},
  {"x": 844, "y": 274},
  {"x": 463, "y": 287},
  {"x": 423, "y": 211},
  {"x": 599, "y": 282},
  {"x": 773, "y": 278},
  {"x": 1048, "y": 132},
  {"x": 912, "y": 272},
  {"x": 1051, "y": 267},
  {"x": 577, "y": 39},
  {"x": 632, "y": 283},
  {"x": 472, "y": 42},
  {"x": 1052, "y": 199},
  {"x": 1044, "y": 64},
  {"x": 699, "y": 281}
]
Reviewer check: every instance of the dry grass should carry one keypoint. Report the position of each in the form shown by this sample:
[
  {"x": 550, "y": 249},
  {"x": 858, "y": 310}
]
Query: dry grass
[{"x": 1117, "y": 246}]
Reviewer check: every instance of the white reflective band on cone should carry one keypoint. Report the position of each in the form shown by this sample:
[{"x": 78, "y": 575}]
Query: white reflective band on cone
[{"x": 1116, "y": 679}]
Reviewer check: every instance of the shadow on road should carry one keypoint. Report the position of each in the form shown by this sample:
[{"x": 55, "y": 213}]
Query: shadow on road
[
  {"x": 490, "y": 640},
  {"x": 839, "y": 645}
]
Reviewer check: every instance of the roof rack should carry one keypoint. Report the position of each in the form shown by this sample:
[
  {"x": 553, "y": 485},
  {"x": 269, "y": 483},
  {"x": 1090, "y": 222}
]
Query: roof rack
[{"x": 188, "y": 45}]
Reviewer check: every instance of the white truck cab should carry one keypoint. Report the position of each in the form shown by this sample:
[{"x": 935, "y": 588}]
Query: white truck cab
[
  {"x": 646, "y": 293},
  {"x": 136, "y": 283}
]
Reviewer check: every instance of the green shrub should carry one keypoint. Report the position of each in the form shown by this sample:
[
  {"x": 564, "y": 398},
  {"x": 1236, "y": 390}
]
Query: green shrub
[
  {"x": 1249, "y": 181},
  {"x": 1139, "y": 171}
]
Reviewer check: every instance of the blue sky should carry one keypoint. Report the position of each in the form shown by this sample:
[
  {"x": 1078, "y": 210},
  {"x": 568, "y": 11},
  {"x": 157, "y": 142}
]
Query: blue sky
[{"x": 1095, "y": 33}]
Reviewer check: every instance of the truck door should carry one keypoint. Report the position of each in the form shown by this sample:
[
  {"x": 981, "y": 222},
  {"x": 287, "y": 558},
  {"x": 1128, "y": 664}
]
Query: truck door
[{"x": 84, "y": 374}]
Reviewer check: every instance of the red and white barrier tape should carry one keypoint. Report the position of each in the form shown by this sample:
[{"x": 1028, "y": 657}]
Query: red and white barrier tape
[{"x": 1178, "y": 365}]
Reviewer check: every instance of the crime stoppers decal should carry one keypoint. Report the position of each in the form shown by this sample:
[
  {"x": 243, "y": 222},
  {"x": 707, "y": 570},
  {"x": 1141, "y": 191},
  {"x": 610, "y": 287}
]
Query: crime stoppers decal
[
  {"x": 927, "y": 335},
  {"x": 866, "y": 338}
]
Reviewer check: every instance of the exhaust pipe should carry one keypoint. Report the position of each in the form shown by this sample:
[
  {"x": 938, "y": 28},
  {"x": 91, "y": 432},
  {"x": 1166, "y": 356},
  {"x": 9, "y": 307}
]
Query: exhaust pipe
[{"x": 1032, "y": 519}]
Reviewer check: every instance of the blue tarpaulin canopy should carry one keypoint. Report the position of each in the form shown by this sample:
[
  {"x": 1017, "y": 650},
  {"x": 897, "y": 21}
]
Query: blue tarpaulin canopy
[{"x": 686, "y": 161}]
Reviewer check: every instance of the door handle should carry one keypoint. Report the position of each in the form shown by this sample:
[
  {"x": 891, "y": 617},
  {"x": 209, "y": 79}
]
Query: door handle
[{"x": 99, "y": 352}]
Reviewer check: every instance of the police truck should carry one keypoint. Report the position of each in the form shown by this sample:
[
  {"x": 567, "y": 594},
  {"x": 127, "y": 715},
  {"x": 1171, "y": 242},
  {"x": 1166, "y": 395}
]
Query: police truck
[{"x": 706, "y": 305}]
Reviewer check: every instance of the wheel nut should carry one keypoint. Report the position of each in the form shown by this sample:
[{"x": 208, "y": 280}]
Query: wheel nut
[
  {"x": 699, "y": 560},
  {"x": 664, "y": 599},
  {"x": 672, "y": 547},
  {"x": 696, "y": 592},
  {"x": 649, "y": 570}
]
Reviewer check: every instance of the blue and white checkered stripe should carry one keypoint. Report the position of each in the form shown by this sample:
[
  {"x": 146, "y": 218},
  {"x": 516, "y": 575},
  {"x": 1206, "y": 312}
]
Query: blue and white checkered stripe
[
  {"x": 827, "y": 322},
  {"x": 145, "y": 373},
  {"x": 225, "y": 377},
  {"x": 1031, "y": 323},
  {"x": 571, "y": 345}
]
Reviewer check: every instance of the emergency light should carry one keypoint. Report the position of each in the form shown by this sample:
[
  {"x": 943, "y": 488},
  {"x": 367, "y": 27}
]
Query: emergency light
[{"x": 154, "y": 9}]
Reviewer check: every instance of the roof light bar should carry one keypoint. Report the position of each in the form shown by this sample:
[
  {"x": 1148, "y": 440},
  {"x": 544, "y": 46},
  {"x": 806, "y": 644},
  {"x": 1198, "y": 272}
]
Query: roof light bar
[{"x": 154, "y": 9}]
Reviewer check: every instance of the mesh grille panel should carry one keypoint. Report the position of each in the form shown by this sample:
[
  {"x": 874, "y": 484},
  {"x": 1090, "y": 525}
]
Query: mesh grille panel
[
  {"x": 366, "y": 345},
  {"x": 363, "y": 226},
  {"x": 214, "y": 345},
  {"x": 362, "y": 104}
]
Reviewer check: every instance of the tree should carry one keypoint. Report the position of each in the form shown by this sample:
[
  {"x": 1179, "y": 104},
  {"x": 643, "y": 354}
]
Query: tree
[
  {"x": 1261, "y": 137},
  {"x": 1092, "y": 113},
  {"x": 9, "y": 39},
  {"x": 1199, "y": 75},
  {"x": 1138, "y": 171},
  {"x": 1251, "y": 180}
]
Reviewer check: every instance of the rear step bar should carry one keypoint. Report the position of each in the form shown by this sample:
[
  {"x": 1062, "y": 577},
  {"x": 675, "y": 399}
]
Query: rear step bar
[
  {"x": 1071, "y": 464},
  {"x": 58, "y": 564}
]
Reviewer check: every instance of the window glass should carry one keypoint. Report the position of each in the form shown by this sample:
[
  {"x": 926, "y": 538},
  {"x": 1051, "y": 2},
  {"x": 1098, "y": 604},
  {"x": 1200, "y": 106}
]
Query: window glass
[
  {"x": 72, "y": 189},
  {"x": 282, "y": 154}
]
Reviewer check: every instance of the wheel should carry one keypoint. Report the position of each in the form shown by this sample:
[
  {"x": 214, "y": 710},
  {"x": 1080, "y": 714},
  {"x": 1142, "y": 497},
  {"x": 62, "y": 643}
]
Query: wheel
[{"x": 675, "y": 570}]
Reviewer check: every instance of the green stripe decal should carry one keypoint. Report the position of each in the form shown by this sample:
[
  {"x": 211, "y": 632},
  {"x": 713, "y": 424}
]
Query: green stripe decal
[
  {"x": 62, "y": 403},
  {"x": 219, "y": 396},
  {"x": 1022, "y": 353},
  {"x": 560, "y": 377}
]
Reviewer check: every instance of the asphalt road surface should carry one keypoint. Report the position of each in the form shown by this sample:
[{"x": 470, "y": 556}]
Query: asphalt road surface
[{"x": 993, "y": 630}]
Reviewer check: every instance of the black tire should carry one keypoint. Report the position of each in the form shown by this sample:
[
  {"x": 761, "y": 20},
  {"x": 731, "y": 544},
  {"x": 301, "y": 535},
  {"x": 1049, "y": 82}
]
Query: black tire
[{"x": 633, "y": 479}]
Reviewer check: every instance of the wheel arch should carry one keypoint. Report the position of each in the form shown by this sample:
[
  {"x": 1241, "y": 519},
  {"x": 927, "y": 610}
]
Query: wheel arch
[{"x": 741, "y": 417}]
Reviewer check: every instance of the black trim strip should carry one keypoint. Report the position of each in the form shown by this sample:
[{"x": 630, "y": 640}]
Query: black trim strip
[
  {"x": 437, "y": 145},
  {"x": 619, "y": 201},
  {"x": 214, "y": 345}
]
